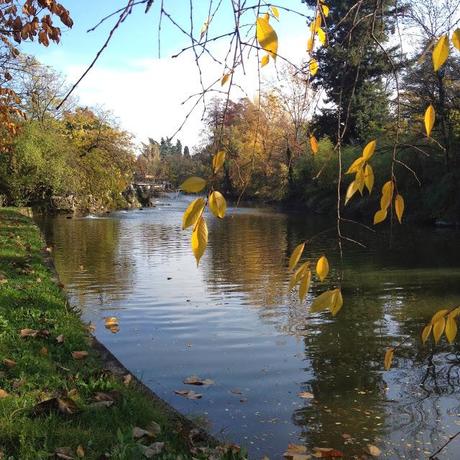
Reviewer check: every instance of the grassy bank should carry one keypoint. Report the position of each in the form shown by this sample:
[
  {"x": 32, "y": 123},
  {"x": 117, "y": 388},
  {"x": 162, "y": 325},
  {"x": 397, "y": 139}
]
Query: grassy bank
[{"x": 54, "y": 402}]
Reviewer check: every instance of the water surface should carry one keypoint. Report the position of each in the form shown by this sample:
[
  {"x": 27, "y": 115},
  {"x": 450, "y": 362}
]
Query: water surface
[{"x": 233, "y": 321}]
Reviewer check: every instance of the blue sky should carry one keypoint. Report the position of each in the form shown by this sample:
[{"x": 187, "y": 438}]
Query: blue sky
[{"x": 142, "y": 90}]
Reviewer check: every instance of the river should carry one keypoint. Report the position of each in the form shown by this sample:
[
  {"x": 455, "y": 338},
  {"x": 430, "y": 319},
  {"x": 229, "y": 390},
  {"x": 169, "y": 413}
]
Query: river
[{"x": 232, "y": 320}]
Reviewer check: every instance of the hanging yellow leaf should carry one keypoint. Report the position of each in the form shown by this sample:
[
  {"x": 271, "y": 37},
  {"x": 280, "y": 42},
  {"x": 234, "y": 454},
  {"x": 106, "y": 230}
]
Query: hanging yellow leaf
[
  {"x": 193, "y": 184},
  {"x": 321, "y": 36},
  {"x": 304, "y": 285},
  {"x": 438, "y": 329},
  {"x": 359, "y": 179},
  {"x": 313, "y": 145},
  {"x": 369, "y": 150},
  {"x": 199, "y": 239},
  {"x": 325, "y": 9},
  {"x": 355, "y": 166},
  {"x": 224, "y": 79},
  {"x": 369, "y": 178},
  {"x": 275, "y": 12},
  {"x": 193, "y": 212},
  {"x": 204, "y": 29},
  {"x": 451, "y": 329},
  {"x": 298, "y": 275},
  {"x": 337, "y": 302},
  {"x": 389, "y": 358},
  {"x": 387, "y": 195},
  {"x": 265, "y": 60},
  {"x": 456, "y": 39},
  {"x": 217, "y": 204},
  {"x": 310, "y": 43},
  {"x": 399, "y": 207},
  {"x": 313, "y": 66},
  {"x": 430, "y": 116},
  {"x": 440, "y": 52},
  {"x": 218, "y": 160},
  {"x": 266, "y": 36},
  {"x": 322, "y": 268},
  {"x": 439, "y": 314},
  {"x": 351, "y": 190},
  {"x": 296, "y": 255},
  {"x": 380, "y": 216},
  {"x": 426, "y": 332},
  {"x": 455, "y": 312},
  {"x": 317, "y": 23}
]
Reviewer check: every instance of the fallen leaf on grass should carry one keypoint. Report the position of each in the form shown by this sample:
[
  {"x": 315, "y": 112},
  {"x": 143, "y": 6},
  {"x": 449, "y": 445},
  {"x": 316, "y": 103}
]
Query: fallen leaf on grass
[
  {"x": 113, "y": 395},
  {"x": 64, "y": 453},
  {"x": 3, "y": 394},
  {"x": 80, "y": 451},
  {"x": 34, "y": 333},
  {"x": 139, "y": 433},
  {"x": 373, "y": 450},
  {"x": 195, "y": 380},
  {"x": 326, "y": 452},
  {"x": 189, "y": 394},
  {"x": 127, "y": 379},
  {"x": 60, "y": 338},
  {"x": 64, "y": 406},
  {"x": 101, "y": 404},
  {"x": 306, "y": 395},
  {"x": 9, "y": 363},
  {"x": 79, "y": 354}
]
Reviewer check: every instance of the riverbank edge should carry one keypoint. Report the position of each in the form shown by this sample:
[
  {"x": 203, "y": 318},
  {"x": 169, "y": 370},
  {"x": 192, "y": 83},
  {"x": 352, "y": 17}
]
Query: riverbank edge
[{"x": 187, "y": 433}]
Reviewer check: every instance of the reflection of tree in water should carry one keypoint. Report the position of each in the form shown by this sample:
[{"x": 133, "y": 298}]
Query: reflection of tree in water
[{"x": 91, "y": 246}]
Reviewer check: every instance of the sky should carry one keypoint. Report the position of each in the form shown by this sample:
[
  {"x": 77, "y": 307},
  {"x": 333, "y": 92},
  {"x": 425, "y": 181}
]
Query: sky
[{"x": 144, "y": 90}]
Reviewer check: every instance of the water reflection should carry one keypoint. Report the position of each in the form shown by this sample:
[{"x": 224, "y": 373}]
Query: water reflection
[{"x": 231, "y": 320}]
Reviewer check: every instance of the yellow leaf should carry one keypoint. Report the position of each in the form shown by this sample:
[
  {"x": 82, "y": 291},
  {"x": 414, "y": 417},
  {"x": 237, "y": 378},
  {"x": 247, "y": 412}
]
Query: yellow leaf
[
  {"x": 224, "y": 79},
  {"x": 355, "y": 166},
  {"x": 328, "y": 300},
  {"x": 296, "y": 255},
  {"x": 430, "y": 116},
  {"x": 439, "y": 314},
  {"x": 369, "y": 178},
  {"x": 80, "y": 451},
  {"x": 298, "y": 275},
  {"x": 451, "y": 329},
  {"x": 193, "y": 184},
  {"x": 440, "y": 52},
  {"x": 455, "y": 312},
  {"x": 204, "y": 29},
  {"x": 325, "y": 9},
  {"x": 388, "y": 358},
  {"x": 337, "y": 302},
  {"x": 456, "y": 39},
  {"x": 387, "y": 195},
  {"x": 399, "y": 207},
  {"x": 380, "y": 216},
  {"x": 314, "y": 145},
  {"x": 217, "y": 204},
  {"x": 265, "y": 60},
  {"x": 310, "y": 44},
  {"x": 193, "y": 212},
  {"x": 321, "y": 36},
  {"x": 304, "y": 285},
  {"x": 359, "y": 179},
  {"x": 322, "y": 268},
  {"x": 352, "y": 189},
  {"x": 317, "y": 23},
  {"x": 266, "y": 36},
  {"x": 369, "y": 150},
  {"x": 438, "y": 329},
  {"x": 426, "y": 332},
  {"x": 275, "y": 12},
  {"x": 313, "y": 66},
  {"x": 199, "y": 239},
  {"x": 218, "y": 160}
]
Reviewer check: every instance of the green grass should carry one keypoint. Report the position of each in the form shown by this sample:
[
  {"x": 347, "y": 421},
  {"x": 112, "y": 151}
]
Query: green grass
[{"x": 45, "y": 369}]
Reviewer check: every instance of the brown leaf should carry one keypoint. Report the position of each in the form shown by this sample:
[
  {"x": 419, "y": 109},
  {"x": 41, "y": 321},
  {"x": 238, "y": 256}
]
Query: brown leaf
[
  {"x": 60, "y": 338},
  {"x": 28, "y": 332},
  {"x": 67, "y": 406},
  {"x": 296, "y": 452},
  {"x": 64, "y": 453},
  {"x": 9, "y": 363},
  {"x": 373, "y": 450},
  {"x": 306, "y": 395},
  {"x": 327, "y": 452},
  {"x": 3, "y": 394},
  {"x": 64, "y": 406},
  {"x": 195, "y": 380},
  {"x": 80, "y": 451},
  {"x": 79, "y": 354},
  {"x": 189, "y": 394}
]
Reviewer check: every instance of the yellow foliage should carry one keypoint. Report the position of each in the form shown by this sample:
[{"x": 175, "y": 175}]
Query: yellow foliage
[
  {"x": 217, "y": 204},
  {"x": 193, "y": 212},
  {"x": 296, "y": 255},
  {"x": 430, "y": 116},
  {"x": 267, "y": 37},
  {"x": 440, "y": 52},
  {"x": 322, "y": 268},
  {"x": 193, "y": 184},
  {"x": 199, "y": 239}
]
